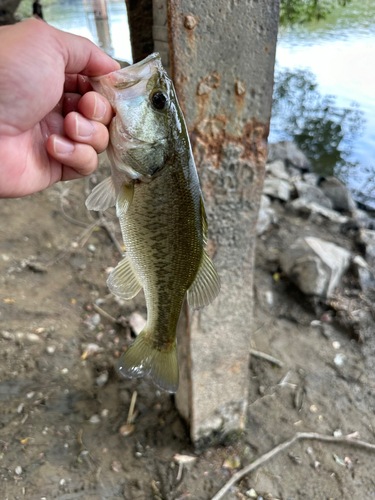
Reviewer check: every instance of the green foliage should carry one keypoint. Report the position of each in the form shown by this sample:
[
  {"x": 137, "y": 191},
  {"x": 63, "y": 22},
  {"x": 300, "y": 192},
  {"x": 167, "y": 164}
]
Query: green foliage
[
  {"x": 304, "y": 11},
  {"x": 323, "y": 130},
  {"x": 25, "y": 8}
]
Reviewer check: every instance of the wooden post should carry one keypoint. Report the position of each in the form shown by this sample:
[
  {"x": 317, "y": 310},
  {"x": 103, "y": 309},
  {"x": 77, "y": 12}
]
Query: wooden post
[{"x": 221, "y": 57}]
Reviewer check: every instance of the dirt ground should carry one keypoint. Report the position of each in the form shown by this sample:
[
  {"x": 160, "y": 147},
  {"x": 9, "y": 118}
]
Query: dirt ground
[{"x": 62, "y": 403}]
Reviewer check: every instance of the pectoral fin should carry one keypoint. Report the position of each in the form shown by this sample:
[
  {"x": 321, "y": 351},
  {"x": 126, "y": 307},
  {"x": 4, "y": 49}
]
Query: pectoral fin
[
  {"x": 123, "y": 280},
  {"x": 124, "y": 199},
  {"x": 102, "y": 196},
  {"x": 206, "y": 286}
]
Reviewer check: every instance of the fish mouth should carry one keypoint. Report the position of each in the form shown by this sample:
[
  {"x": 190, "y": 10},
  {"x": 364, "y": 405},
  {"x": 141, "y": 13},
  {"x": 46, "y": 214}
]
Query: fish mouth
[{"x": 128, "y": 78}]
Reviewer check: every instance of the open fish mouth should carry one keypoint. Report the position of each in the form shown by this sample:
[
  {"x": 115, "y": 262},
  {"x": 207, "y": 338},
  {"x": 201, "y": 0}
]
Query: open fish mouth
[{"x": 132, "y": 78}]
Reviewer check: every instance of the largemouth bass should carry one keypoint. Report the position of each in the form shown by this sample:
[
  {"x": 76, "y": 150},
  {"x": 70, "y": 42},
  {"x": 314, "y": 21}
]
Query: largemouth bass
[{"x": 155, "y": 188}]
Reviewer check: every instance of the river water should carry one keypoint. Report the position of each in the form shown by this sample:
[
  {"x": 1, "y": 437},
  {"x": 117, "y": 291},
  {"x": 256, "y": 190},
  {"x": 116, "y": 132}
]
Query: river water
[{"x": 324, "y": 95}]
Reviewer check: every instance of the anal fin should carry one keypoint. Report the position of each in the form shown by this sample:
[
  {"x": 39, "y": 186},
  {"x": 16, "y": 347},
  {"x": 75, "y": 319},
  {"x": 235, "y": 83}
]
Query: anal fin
[
  {"x": 123, "y": 281},
  {"x": 102, "y": 196},
  {"x": 206, "y": 286}
]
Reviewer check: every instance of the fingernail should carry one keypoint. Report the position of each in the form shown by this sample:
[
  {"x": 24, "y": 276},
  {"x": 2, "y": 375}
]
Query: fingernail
[
  {"x": 99, "y": 108},
  {"x": 83, "y": 127},
  {"x": 62, "y": 146}
]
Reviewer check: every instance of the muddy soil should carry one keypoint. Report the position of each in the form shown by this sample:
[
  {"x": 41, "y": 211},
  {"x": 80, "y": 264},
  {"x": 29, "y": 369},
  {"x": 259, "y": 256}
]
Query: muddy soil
[{"x": 62, "y": 403}]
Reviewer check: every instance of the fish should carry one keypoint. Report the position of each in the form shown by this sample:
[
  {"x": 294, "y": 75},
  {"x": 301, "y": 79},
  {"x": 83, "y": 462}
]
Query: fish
[{"x": 155, "y": 188}]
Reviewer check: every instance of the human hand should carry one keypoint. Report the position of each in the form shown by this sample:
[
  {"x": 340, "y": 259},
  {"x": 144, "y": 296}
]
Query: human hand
[{"x": 51, "y": 124}]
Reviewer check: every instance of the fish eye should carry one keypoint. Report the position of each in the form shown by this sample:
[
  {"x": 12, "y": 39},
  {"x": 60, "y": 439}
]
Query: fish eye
[{"x": 159, "y": 100}]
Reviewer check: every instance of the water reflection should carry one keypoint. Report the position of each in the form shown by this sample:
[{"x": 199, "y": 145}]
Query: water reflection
[
  {"x": 104, "y": 23},
  {"x": 323, "y": 130}
]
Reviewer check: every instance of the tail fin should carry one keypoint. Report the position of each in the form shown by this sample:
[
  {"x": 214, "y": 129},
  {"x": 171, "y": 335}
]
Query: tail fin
[{"x": 143, "y": 359}]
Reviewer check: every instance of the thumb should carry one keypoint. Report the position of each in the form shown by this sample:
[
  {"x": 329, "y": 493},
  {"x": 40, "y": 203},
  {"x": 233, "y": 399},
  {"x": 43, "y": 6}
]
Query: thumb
[{"x": 82, "y": 56}]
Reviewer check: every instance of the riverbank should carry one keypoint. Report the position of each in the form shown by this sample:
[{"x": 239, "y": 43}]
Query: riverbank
[{"x": 63, "y": 405}]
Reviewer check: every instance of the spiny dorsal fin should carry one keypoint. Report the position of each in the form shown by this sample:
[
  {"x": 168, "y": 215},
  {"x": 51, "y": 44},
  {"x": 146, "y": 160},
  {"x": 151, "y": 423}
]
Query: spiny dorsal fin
[
  {"x": 123, "y": 280},
  {"x": 206, "y": 286},
  {"x": 124, "y": 199},
  {"x": 143, "y": 358},
  {"x": 102, "y": 196}
]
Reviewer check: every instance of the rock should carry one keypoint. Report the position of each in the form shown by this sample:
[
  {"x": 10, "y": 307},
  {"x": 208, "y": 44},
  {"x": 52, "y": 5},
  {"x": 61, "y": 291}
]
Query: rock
[
  {"x": 137, "y": 322},
  {"x": 303, "y": 206},
  {"x": 102, "y": 379},
  {"x": 311, "y": 178},
  {"x": 312, "y": 193},
  {"x": 277, "y": 169},
  {"x": 367, "y": 238},
  {"x": 362, "y": 218},
  {"x": 266, "y": 216},
  {"x": 7, "y": 335},
  {"x": 338, "y": 194},
  {"x": 290, "y": 153},
  {"x": 50, "y": 349},
  {"x": 315, "y": 266},
  {"x": 94, "y": 419},
  {"x": 277, "y": 188},
  {"x": 184, "y": 459},
  {"x": 363, "y": 272},
  {"x": 18, "y": 470}
]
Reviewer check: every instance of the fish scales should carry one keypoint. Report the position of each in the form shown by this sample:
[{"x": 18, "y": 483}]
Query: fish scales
[
  {"x": 155, "y": 188},
  {"x": 167, "y": 251}
]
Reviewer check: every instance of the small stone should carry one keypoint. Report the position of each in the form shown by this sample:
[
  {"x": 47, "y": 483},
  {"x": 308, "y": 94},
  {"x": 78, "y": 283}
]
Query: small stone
[
  {"x": 116, "y": 466},
  {"x": 277, "y": 188},
  {"x": 137, "y": 322},
  {"x": 312, "y": 194},
  {"x": 338, "y": 193},
  {"x": 62, "y": 482},
  {"x": 266, "y": 215},
  {"x": 50, "y": 349},
  {"x": 277, "y": 169},
  {"x": 95, "y": 319},
  {"x": 7, "y": 335},
  {"x": 304, "y": 206},
  {"x": 252, "y": 493},
  {"x": 32, "y": 338},
  {"x": 339, "y": 359},
  {"x": 90, "y": 350},
  {"x": 18, "y": 470},
  {"x": 313, "y": 409},
  {"x": 64, "y": 371},
  {"x": 127, "y": 429},
  {"x": 91, "y": 248},
  {"x": 290, "y": 153},
  {"x": 30, "y": 395},
  {"x": 337, "y": 433},
  {"x": 94, "y": 419},
  {"x": 20, "y": 408},
  {"x": 366, "y": 237},
  {"x": 336, "y": 345},
  {"x": 102, "y": 379},
  {"x": 184, "y": 459},
  {"x": 104, "y": 413}
]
